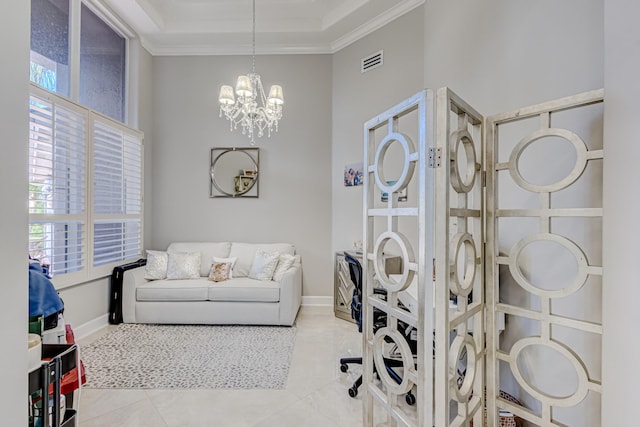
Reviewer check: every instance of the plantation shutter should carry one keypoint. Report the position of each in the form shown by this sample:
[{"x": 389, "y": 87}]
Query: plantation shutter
[
  {"x": 117, "y": 192},
  {"x": 57, "y": 190}
]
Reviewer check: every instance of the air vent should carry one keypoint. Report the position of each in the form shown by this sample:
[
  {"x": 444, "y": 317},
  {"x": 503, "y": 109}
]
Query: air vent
[{"x": 372, "y": 61}]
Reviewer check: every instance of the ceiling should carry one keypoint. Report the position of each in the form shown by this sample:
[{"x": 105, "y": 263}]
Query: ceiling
[{"x": 222, "y": 27}]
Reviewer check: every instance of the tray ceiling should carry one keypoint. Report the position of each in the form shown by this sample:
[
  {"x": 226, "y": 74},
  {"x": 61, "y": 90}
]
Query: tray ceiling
[{"x": 206, "y": 27}]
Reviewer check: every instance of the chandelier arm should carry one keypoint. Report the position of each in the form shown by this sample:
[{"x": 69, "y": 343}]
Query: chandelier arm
[{"x": 259, "y": 89}]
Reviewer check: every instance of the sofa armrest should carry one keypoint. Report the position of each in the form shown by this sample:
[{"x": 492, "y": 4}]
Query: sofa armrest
[
  {"x": 130, "y": 281},
  {"x": 290, "y": 294}
]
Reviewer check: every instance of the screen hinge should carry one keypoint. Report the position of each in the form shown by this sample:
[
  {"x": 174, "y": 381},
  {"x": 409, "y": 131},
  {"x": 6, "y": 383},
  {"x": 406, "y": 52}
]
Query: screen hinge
[{"x": 435, "y": 157}]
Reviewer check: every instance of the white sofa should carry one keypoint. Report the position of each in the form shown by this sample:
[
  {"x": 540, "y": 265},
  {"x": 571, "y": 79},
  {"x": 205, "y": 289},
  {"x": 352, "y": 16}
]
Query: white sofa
[{"x": 239, "y": 300}]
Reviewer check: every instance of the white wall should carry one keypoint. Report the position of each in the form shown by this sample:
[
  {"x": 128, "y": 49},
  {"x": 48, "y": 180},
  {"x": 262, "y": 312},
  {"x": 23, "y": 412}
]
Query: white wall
[
  {"x": 622, "y": 209},
  {"x": 295, "y": 193},
  {"x": 85, "y": 302},
  {"x": 358, "y": 97},
  {"x": 501, "y": 55},
  {"x": 144, "y": 95},
  {"x": 14, "y": 45}
]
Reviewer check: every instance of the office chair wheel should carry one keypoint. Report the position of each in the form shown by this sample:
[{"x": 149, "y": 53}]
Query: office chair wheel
[
  {"x": 353, "y": 392},
  {"x": 344, "y": 367},
  {"x": 410, "y": 398}
]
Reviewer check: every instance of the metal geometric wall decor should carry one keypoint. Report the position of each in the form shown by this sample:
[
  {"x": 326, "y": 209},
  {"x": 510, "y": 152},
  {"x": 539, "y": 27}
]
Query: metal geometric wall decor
[{"x": 481, "y": 216}]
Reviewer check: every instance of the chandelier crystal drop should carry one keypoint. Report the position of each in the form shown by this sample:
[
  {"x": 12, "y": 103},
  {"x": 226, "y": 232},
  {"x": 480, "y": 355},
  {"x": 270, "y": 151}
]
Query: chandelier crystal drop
[{"x": 248, "y": 107}]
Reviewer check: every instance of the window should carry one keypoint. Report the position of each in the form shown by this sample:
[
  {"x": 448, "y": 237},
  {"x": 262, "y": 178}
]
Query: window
[
  {"x": 57, "y": 170},
  {"x": 93, "y": 74},
  {"x": 85, "y": 189},
  {"x": 50, "y": 45},
  {"x": 102, "y": 66},
  {"x": 117, "y": 191},
  {"x": 85, "y": 166}
]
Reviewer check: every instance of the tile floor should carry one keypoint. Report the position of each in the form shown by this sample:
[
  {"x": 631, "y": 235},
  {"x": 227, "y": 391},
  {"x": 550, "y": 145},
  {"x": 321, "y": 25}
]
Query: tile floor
[{"x": 315, "y": 396}]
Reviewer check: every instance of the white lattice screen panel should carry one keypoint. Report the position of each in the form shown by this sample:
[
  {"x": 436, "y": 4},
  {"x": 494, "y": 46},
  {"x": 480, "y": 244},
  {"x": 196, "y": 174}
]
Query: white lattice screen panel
[
  {"x": 544, "y": 247},
  {"x": 459, "y": 223},
  {"x": 397, "y": 208},
  {"x": 465, "y": 223}
]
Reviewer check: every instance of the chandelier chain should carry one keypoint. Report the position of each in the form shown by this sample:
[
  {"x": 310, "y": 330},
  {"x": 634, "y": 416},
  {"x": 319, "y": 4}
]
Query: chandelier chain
[{"x": 253, "y": 41}]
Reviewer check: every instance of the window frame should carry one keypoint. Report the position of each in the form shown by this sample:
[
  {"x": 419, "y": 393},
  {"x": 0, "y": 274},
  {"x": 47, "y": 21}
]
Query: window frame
[
  {"x": 47, "y": 218},
  {"x": 105, "y": 270},
  {"x": 122, "y": 29},
  {"x": 88, "y": 272},
  {"x": 130, "y": 117}
]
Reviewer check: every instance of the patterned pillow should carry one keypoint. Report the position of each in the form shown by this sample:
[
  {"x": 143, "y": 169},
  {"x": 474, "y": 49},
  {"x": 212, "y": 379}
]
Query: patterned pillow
[
  {"x": 263, "y": 265},
  {"x": 220, "y": 271},
  {"x": 230, "y": 260},
  {"x": 156, "y": 268},
  {"x": 183, "y": 265},
  {"x": 284, "y": 263}
]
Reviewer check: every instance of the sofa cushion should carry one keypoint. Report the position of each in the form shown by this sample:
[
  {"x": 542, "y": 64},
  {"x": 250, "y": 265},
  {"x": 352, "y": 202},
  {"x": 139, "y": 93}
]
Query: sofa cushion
[
  {"x": 173, "y": 290},
  {"x": 246, "y": 251},
  {"x": 244, "y": 289},
  {"x": 207, "y": 251}
]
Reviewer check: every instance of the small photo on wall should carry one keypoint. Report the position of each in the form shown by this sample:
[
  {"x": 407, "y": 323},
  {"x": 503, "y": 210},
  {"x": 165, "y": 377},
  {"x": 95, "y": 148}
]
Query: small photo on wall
[{"x": 353, "y": 174}]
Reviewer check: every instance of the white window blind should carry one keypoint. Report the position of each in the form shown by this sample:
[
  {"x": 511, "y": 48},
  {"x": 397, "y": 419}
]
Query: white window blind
[
  {"x": 85, "y": 189},
  {"x": 57, "y": 176},
  {"x": 117, "y": 193}
]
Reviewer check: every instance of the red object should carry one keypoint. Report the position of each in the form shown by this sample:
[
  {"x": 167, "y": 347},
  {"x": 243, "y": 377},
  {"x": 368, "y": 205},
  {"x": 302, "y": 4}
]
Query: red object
[{"x": 69, "y": 381}]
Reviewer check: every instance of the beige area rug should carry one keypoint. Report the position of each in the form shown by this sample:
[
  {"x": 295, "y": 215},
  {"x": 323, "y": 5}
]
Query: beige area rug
[{"x": 190, "y": 357}]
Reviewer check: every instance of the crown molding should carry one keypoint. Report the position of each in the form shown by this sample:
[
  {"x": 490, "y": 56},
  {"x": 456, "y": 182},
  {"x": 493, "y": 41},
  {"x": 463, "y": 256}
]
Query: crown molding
[
  {"x": 177, "y": 48},
  {"x": 111, "y": 17},
  {"x": 374, "y": 24}
]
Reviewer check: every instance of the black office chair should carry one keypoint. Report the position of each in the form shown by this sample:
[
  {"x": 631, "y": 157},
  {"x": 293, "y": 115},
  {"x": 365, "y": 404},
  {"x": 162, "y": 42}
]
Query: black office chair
[{"x": 379, "y": 321}]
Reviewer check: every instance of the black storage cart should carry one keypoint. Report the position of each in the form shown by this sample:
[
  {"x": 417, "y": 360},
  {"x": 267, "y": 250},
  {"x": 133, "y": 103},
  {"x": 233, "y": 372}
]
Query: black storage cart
[{"x": 63, "y": 358}]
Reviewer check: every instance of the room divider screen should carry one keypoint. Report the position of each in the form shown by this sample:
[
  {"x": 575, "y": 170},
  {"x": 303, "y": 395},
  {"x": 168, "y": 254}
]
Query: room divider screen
[
  {"x": 544, "y": 250},
  {"x": 403, "y": 228},
  {"x": 430, "y": 149}
]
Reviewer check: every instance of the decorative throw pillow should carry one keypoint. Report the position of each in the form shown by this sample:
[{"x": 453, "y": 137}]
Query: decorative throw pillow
[
  {"x": 284, "y": 263},
  {"x": 229, "y": 260},
  {"x": 263, "y": 265},
  {"x": 156, "y": 268},
  {"x": 183, "y": 265},
  {"x": 220, "y": 271}
]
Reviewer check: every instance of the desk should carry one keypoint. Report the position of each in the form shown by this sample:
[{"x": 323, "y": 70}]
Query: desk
[
  {"x": 343, "y": 286},
  {"x": 409, "y": 297}
]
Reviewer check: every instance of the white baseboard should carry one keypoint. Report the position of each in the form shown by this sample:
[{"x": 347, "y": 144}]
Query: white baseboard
[
  {"x": 328, "y": 301},
  {"x": 98, "y": 323},
  {"x": 91, "y": 326}
]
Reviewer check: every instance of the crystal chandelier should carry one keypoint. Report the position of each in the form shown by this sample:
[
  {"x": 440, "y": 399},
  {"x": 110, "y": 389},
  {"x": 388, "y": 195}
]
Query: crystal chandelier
[{"x": 252, "y": 110}]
